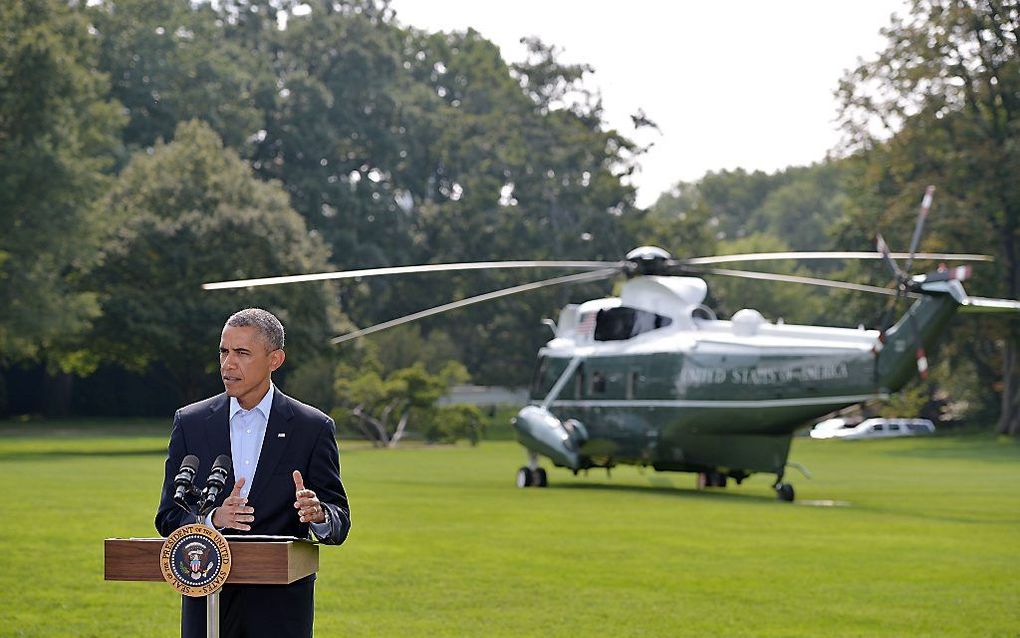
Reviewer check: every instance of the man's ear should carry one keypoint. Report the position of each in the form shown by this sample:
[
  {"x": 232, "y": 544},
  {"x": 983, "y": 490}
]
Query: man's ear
[{"x": 276, "y": 359}]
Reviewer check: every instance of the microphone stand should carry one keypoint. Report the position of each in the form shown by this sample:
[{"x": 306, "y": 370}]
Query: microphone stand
[
  {"x": 192, "y": 508},
  {"x": 198, "y": 507}
]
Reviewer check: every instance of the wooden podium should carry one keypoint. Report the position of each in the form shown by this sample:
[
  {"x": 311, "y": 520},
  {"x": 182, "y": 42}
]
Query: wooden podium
[{"x": 256, "y": 560}]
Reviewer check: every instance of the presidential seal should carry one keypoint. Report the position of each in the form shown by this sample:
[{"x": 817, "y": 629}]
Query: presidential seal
[{"x": 195, "y": 560}]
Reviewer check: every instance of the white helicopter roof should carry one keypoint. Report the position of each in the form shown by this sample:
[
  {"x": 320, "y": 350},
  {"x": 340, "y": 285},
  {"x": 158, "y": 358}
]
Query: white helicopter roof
[
  {"x": 676, "y": 298},
  {"x": 668, "y": 296}
]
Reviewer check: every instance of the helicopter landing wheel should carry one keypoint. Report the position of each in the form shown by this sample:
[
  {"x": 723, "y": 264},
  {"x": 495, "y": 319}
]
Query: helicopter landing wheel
[
  {"x": 711, "y": 479},
  {"x": 525, "y": 477},
  {"x": 539, "y": 478},
  {"x": 784, "y": 491}
]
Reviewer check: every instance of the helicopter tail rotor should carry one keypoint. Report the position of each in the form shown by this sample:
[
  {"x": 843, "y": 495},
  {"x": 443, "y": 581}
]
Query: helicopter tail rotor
[{"x": 906, "y": 284}]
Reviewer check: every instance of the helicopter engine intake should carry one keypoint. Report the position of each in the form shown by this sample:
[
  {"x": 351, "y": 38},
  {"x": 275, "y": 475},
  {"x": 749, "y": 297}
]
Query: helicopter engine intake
[{"x": 539, "y": 430}]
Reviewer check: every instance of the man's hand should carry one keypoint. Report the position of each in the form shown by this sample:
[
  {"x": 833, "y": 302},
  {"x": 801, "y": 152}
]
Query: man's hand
[
  {"x": 234, "y": 512},
  {"x": 306, "y": 502}
]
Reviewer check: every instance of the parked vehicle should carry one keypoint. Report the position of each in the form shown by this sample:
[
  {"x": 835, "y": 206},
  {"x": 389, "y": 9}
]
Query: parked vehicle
[
  {"x": 879, "y": 428},
  {"x": 828, "y": 428}
]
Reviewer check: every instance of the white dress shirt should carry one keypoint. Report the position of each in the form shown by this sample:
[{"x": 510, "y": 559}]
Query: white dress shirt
[{"x": 247, "y": 431}]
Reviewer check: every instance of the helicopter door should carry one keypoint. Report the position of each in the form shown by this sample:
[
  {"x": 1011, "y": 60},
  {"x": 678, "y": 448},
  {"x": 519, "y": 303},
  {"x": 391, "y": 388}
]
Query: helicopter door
[
  {"x": 633, "y": 377},
  {"x": 579, "y": 379}
]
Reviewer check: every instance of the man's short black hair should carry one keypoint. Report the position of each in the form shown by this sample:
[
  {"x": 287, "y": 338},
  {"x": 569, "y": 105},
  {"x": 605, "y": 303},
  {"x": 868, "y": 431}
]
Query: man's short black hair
[{"x": 268, "y": 326}]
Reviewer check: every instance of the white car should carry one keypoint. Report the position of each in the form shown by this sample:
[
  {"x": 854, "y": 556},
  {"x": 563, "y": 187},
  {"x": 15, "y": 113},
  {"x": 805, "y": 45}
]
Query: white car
[
  {"x": 879, "y": 428},
  {"x": 828, "y": 428}
]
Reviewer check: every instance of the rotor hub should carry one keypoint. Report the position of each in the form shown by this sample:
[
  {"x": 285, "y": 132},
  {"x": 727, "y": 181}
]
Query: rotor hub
[{"x": 648, "y": 260}]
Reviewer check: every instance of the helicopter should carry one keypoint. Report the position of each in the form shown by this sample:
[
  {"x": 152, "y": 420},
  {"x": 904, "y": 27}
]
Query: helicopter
[{"x": 653, "y": 378}]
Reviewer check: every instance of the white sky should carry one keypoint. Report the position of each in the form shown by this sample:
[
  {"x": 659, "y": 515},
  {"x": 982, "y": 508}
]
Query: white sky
[{"x": 744, "y": 83}]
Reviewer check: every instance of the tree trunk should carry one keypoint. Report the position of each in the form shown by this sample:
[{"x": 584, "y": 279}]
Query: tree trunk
[
  {"x": 400, "y": 429},
  {"x": 377, "y": 433},
  {"x": 1009, "y": 419}
]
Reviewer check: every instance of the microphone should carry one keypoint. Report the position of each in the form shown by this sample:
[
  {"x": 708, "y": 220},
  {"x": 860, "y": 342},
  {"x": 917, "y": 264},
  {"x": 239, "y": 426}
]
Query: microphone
[
  {"x": 184, "y": 478},
  {"x": 217, "y": 479}
]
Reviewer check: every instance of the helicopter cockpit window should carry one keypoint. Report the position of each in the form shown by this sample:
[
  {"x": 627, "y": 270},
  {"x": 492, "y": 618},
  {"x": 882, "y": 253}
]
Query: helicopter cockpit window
[
  {"x": 543, "y": 379},
  {"x": 617, "y": 324}
]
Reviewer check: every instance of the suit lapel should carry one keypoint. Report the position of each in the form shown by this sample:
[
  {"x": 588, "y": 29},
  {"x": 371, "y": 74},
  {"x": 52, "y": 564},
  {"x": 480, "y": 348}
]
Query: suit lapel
[
  {"x": 278, "y": 434},
  {"x": 217, "y": 434}
]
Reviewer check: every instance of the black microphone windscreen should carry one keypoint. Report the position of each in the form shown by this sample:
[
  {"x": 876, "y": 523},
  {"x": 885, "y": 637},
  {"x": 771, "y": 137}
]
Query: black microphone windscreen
[
  {"x": 190, "y": 462},
  {"x": 222, "y": 462}
]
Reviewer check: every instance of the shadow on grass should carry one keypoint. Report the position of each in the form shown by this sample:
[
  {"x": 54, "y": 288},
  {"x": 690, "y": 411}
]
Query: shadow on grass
[
  {"x": 44, "y": 455},
  {"x": 667, "y": 490},
  {"x": 978, "y": 518}
]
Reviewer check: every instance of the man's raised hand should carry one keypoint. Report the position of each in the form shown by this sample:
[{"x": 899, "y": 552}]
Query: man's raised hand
[
  {"x": 234, "y": 512},
  {"x": 306, "y": 502}
]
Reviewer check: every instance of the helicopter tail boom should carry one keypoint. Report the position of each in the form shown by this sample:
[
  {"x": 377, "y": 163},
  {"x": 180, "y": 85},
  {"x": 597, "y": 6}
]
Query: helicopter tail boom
[{"x": 903, "y": 346}]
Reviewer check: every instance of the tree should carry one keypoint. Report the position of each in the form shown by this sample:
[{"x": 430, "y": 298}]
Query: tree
[
  {"x": 941, "y": 105},
  {"x": 169, "y": 61},
  {"x": 775, "y": 300},
  {"x": 396, "y": 146},
  {"x": 679, "y": 221},
  {"x": 382, "y": 406},
  {"x": 519, "y": 169},
  {"x": 189, "y": 213},
  {"x": 57, "y": 135},
  {"x": 802, "y": 210}
]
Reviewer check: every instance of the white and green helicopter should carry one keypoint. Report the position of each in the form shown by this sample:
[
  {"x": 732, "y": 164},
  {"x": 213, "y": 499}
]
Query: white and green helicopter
[{"x": 652, "y": 378}]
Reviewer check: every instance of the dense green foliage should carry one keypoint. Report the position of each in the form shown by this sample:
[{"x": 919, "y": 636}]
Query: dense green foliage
[
  {"x": 443, "y": 544},
  {"x": 385, "y": 390},
  {"x": 941, "y": 105},
  {"x": 797, "y": 206},
  {"x": 192, "y": 212},
  {"x": 58, "y": 130},
  {"x": 147, "y": 146},
  {"x": 394, "y": 146}
]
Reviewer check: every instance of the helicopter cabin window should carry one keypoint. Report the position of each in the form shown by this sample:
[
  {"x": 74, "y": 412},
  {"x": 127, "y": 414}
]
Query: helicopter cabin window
[
  {"x": 617, "y": 324},
  {"x": 598, "y": 383}
]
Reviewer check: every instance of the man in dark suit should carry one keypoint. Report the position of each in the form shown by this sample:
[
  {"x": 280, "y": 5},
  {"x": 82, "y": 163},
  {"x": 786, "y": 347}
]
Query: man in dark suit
[{"x": 285, "y": 478}]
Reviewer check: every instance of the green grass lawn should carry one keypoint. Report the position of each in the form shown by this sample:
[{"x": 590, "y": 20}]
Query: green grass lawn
[{"x": 891, "y": 538}]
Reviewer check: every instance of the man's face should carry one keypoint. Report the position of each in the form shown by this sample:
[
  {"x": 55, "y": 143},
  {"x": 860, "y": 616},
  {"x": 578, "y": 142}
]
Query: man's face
[{"x": 246, "y": 363}]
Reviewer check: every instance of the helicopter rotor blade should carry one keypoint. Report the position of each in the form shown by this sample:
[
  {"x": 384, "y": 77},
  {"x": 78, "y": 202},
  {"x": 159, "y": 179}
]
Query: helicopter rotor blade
[
  {"x": 795, "y": 279},
  {"x": 604, "y": 273},
  {"x": 922, "y": 215},
  {"x": 722, "y": 259},
  {"x": 405, "y": 270},
  {"x": 890, "y": 258}
]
